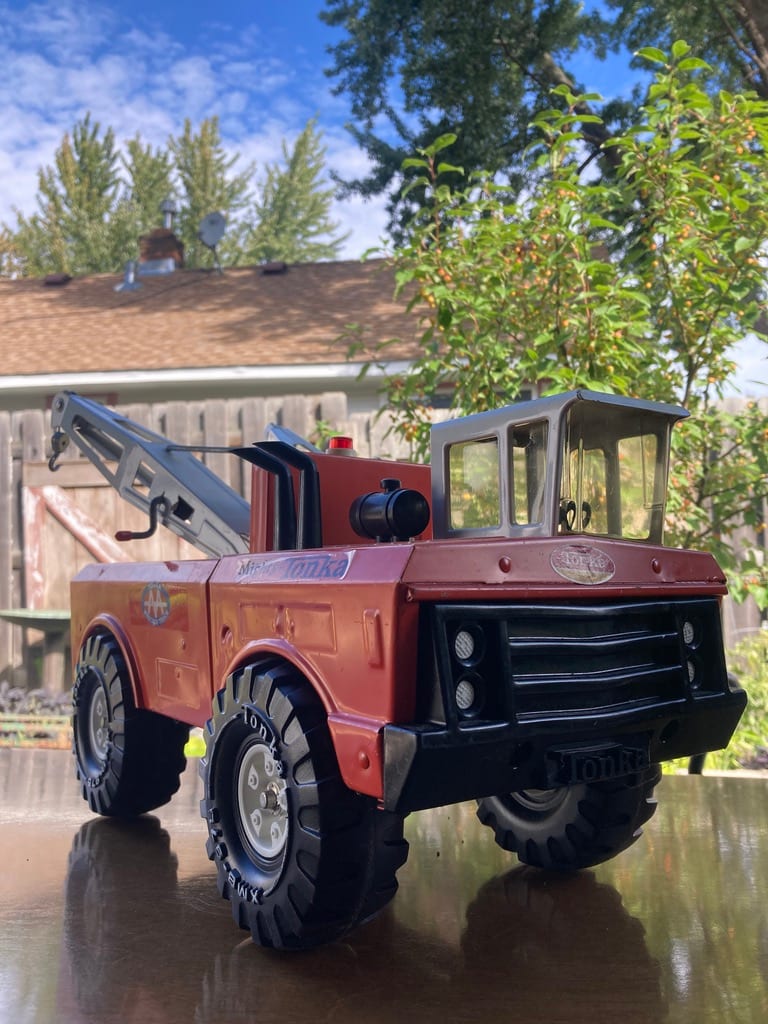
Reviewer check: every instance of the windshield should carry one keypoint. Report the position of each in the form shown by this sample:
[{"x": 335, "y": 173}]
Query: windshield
[{"x": 614, "y": 472}]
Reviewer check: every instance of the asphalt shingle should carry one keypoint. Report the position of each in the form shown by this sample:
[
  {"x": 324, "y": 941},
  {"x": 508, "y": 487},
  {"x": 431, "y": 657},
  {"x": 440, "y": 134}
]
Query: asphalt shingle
[{"x": 193, "y": 318}]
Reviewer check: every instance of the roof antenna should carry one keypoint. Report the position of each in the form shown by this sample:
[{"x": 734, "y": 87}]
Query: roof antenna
[{"x": 210, "y": 233}]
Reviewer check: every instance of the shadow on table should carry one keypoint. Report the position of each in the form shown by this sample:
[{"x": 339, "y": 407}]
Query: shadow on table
[{"x": 140, "y": 944}]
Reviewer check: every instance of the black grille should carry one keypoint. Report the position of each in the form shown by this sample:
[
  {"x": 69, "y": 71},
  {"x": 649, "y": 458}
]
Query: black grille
[
  {"x": 550, "y": 662},
  {"x": 583, "y": 660}
]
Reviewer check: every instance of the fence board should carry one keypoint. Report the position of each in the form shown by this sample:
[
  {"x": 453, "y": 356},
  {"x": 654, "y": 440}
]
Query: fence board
[
  {"x": 215, "y": 425},
  {"x": 34, "y": 436},
  {"x": 6, "y": 542}
]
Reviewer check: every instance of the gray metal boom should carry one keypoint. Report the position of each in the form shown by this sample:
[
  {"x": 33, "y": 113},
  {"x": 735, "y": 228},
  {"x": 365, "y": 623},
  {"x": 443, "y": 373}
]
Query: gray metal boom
[{"x": 155, "y": 475}]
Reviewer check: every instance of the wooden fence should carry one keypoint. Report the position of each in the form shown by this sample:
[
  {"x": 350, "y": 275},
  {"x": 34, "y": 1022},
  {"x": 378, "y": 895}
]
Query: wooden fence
[{"x": 51, "y": 524}]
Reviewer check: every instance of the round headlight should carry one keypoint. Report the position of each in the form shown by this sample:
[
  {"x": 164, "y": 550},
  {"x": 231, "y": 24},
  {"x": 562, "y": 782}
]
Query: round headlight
[
  {"x": 466, "y": 694},
  {"x": 689, "y": 633},
  {"x": 464, "y": 645}
]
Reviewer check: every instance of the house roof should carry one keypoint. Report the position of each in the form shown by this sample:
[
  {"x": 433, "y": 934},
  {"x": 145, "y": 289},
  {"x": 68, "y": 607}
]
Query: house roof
[{"x": 243, "y": 317}]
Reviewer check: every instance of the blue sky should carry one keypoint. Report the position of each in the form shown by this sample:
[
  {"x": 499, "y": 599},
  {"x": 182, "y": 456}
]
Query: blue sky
[{"x": 146, "y": 65}]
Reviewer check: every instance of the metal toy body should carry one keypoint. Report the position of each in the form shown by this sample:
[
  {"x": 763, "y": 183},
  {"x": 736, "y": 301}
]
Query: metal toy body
[{"x": 371, "y": 638}]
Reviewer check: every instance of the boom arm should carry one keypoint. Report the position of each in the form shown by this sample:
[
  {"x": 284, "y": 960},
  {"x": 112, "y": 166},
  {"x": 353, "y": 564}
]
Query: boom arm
[{"x": 144, "y": 466}]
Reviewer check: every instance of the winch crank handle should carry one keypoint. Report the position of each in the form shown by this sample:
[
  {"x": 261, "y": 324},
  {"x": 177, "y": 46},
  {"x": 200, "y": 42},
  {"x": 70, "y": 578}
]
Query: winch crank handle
[{"x": 158, "y": 506}]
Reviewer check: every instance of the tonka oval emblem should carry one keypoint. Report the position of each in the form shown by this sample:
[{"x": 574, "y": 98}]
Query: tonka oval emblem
[
  {"x": 580, "y": 563},
  {"x": 155, "y": 603}
]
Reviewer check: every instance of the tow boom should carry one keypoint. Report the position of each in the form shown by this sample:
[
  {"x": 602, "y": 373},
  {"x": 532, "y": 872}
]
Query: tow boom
[{"x": 165, "y": 480}]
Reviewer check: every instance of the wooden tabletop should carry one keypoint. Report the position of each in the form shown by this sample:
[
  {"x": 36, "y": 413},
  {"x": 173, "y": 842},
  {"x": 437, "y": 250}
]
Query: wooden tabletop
[{"x": 108, "y": 921}]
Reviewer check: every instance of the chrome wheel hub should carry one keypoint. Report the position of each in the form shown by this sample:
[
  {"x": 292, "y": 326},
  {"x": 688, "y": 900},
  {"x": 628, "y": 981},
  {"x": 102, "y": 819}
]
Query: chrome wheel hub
[
  {"x": 262, "y": 801},
  {"x": 541, "y": 800},
  {"x": 98, "y": 724}
]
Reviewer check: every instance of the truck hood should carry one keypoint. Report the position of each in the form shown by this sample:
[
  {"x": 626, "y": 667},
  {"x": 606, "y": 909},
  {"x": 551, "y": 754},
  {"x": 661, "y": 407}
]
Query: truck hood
[{"x": 557, "y": 567}]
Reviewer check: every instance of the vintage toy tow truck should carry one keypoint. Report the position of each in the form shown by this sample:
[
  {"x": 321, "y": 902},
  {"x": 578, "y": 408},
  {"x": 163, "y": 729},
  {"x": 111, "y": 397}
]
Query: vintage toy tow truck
[{"x": 369, "y": 638}]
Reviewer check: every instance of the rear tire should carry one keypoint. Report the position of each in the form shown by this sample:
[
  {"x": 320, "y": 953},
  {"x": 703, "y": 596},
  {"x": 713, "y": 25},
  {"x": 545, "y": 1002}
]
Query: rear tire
[
  {"x": 301, "y": 857},
  {"x": 128, "y": 760},
  {"x": 575, "y": 826}
]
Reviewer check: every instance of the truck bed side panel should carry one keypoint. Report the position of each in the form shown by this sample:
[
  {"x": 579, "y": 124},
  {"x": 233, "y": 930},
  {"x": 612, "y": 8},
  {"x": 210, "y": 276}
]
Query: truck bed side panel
[{"x": 160, "y": 608}]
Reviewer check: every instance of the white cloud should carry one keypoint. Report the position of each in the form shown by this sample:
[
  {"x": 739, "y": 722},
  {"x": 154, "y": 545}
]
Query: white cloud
[
  {"x": 67, "y": 31},
  {"x": 157, "y": 44},
  {"x": 366, "y": 221},
  {"x": 751, "y": 358},
  {"x": 59, "y": 61},
  {"x": 194, "y": 80}
]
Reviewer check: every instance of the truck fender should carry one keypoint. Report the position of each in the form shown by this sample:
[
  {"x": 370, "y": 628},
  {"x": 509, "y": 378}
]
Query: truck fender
[
  {"x": 357, "y": 741},
  {"x": 106, "y": 623},
  {"x": 256, "y": 649}
]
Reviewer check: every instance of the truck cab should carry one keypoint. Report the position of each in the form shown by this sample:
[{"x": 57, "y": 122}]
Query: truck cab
[{"x": 585, "y": 464}]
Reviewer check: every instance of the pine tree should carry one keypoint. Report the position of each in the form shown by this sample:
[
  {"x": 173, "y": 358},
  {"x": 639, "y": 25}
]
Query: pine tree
[
  {"x": 147, "y": 182},
  {"x": 149, "y": 175},
  {"x": 293, "y": 214},
  {"x": 207, "y": 185},
  {"x": 96, "y": 201},
  {"x": 71, "y": 231}
]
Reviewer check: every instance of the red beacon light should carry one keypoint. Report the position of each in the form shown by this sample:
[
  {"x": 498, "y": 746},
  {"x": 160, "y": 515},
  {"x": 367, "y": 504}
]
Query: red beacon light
[{"x": 341, "y": 445}]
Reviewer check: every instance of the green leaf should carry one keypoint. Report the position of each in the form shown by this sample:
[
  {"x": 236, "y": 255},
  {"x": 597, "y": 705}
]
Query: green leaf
[
  {"x": 414, "y": 161},
  {"x": 652, "y": 54},
  {"x": 680, "y": 48},
  {"x": 449, "y": 169},
  {"x": 693, "y": 64},
  {"x": 441, "y": 142}
]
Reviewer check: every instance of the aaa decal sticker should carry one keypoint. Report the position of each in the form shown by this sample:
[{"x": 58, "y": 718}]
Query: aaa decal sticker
[
  {"x": 309, "y": 566},
  {"x": 580, "y": 563},
  {"x": 155, "y": 603}
]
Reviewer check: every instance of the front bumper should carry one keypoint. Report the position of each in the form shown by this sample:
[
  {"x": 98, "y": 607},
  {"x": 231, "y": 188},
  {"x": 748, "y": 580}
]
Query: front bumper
[
  {"x": 428, "y": 766},
  {"x": 564, "y": 692}
]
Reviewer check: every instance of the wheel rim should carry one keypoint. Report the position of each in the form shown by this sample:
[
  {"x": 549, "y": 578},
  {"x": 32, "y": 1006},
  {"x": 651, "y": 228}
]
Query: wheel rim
[
  {"x": 540, "y": 801},
  {"x": 98, "y": 723},
  {"x": 262, "y": 802}
]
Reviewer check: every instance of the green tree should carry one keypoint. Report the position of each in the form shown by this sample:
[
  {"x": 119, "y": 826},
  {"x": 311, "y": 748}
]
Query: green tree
[
  {"x": 93, "y": 204},
  {"x": 9, "y": 258},
  {"x": 96, "y": 202},
  {"x": 293, "y": 213},
  {"x": 147, "y": 181},
  {"x": 208, "y": 184},
  {"x": 639, "y": 284},
  {"x": 71, "y": 231},
  {"x": 732, "y": 35},
  {"x": 416, "y": 69}
]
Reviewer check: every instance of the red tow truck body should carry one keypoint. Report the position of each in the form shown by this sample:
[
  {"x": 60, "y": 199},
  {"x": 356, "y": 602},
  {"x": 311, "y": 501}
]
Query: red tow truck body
[{"x": 505, "y": 622}]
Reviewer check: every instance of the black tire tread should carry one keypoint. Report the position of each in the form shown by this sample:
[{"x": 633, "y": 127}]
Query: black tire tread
[
  {"x": 596, "y": 822},
  {"x": 145, "y": 759},
  {"x": 343, "y": 852}
]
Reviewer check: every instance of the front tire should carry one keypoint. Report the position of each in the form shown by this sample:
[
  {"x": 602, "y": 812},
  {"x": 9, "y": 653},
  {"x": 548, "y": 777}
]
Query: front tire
[
  {"x": 301, "y": 857},
  {"x": 128, "y": 760},
  {"x": 572, "y": 827}
]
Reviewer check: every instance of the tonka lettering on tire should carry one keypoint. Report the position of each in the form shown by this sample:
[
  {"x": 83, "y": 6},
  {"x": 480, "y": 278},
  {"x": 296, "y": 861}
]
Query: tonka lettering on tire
[
  {"x": 572, "y": 826},
  {"x": 128, "y": 760},
  {"x": 301, "y": 858}
]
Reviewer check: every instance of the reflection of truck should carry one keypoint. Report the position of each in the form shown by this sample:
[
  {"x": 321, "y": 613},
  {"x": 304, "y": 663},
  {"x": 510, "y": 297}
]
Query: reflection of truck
[{"x": 534, "y": 648}]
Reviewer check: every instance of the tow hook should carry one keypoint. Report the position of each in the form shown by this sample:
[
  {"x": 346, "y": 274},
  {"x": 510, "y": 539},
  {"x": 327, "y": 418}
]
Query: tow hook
[{"x": 59, "y": 444}]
